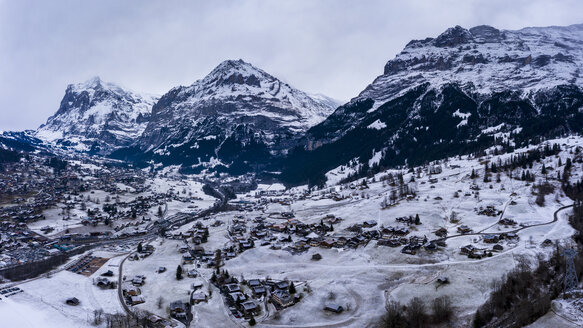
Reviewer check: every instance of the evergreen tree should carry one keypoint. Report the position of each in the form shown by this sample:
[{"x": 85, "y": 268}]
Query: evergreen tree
[
  {"x": 178, "y": 272},
  {"x": 478, "y": 320},
  {"x": 292, "y": 288},
  {"x": 417, "y": 220},
  {"x": 139, "y": 247},
  {"x": 252, "y": 321},
  {"x": 473, "y": 175}
]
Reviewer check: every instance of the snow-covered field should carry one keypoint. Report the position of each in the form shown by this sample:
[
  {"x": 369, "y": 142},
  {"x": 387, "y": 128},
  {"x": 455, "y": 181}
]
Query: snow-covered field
[
  {"x": 42, "y": 302},
  {"x": 362, "y": 280}
]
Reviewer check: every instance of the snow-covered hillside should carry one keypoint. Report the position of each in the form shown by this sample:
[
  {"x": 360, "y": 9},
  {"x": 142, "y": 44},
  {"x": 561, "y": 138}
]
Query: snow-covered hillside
[
  {"x": 446, "y": 95},
  {"x": 484, "y": 59},
  {"x": 237, "y": 114},
  {"x": 234, "y": 93}
]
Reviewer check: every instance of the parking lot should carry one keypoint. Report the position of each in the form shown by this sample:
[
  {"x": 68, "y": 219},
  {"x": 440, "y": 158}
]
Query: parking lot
[
  {"x": 9, "y": 291},
  {"x": 87, "y": 265}
]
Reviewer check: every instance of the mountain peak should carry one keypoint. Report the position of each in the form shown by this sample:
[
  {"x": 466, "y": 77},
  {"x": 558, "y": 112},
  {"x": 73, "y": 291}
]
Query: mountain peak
[
  {"x": 453, "y": 36},
  {"x": 95, "y": 84},
  {"x": 95, "y": 81},
  {"x": 231, "y": 72}
]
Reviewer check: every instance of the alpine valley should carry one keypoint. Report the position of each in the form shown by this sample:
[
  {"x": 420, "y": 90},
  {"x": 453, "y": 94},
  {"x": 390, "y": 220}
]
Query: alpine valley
[
  {"x": 461, "y": 92},
  {"x": 447, "y": 193}
]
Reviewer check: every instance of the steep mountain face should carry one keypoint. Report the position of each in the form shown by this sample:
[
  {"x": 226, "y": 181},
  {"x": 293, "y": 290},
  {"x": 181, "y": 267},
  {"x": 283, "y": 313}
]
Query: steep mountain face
[
  {"x": 238, "y": 114},
  {"x": 97, "y": 116},
  {"x": 460, "y": 92}
]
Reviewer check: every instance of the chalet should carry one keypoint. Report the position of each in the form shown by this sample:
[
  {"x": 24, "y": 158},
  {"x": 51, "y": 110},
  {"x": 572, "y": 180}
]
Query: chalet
[
  {"x": 197, "y": 250},
  {"x": 331, "y": 219},
  {"x": 506, "y": 221},
  {"x": 282, "y": 298},
  {"x": 441, "y": 232},
  {"x": 490, "y": 239},
  {"x": 327, "y": 243},
  {"x": 192, "y": 273},
  {"x": 254, "y": 282},
  {"x": 187, "y": 259},
  {"x": 196, "y": 285},
  {"x": 406, "y": 219},
  {"x": 408, "y": 249},
  {"x": 138, "y": 281},
  {"x": 468, "y": 249},
  {"x": 430, "y": 246},
  {"x": 282, "y": 285},
  {"x": 102, "y": 282},
  {"x": 369, "y": 223},
  {"x": 511, "y": 235},
  {"x": 232, "y": 288},
  {"x": 464, "y": 229},
  {"x": 178, "y": 309},
  {"x": 259, "y": 291},
  {"x": 250, "y": 307},
  {"x": 233, "y": 297},
  {"x": 340, "y": 242},
  {"x": 131, "y": 291},
  {"x": 246, "y": 244},
  {"x": 197, "y": 297},
  {"x": 51, "y": 252},
  {"x": 134, "y": 300},
  {"x": 393, "y": 242}
]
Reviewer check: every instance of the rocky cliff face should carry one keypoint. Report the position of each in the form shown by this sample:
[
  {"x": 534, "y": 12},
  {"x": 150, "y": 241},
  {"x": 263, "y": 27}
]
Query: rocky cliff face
[
  {"x": 462, "y": 91},
  {"x": 97, "y": 116},
  {"x": 237, "y": 113}
]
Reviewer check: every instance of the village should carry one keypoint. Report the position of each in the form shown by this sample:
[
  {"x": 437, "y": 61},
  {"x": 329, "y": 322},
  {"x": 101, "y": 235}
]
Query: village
[{"x": 176, "y": 250}]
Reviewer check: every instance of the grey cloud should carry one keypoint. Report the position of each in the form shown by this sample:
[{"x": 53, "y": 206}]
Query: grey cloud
[{"x": 333, "y": 47}]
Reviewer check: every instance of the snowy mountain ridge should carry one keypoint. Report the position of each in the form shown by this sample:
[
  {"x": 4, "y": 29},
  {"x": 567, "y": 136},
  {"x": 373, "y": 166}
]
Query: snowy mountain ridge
[
  {"x": 235, "y": 89},
  {"x": 484, "y": 60},
  {"x": 461, "y": 92},
  {"x": 236, "y": 107},
  {"x": 97, "y": 115}
]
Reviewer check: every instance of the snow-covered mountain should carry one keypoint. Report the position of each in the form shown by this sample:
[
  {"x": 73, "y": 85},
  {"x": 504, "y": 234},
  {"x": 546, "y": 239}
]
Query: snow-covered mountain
[
  {"x": 97, "y": 116},
  {"x": 459, "y": 92},
  {"x": 236, "y": 113}
]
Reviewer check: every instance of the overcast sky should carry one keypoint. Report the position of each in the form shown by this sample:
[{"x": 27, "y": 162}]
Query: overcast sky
[{"x": 332, "y": 47}]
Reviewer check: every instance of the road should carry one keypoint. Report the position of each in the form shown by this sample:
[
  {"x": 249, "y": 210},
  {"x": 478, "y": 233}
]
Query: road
[{"x": 555, "y": 218}]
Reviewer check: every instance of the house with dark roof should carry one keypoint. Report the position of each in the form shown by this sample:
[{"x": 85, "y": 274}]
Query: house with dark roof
[{"x": 282, "y": 298}]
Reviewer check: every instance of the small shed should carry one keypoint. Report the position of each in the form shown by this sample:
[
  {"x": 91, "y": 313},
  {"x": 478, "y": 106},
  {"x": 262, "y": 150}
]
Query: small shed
[{"x": 333, "y": 307}]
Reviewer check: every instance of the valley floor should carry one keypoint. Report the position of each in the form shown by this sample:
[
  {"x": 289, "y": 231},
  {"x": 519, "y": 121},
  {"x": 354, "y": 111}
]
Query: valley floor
[{"x": 361, "y": 280}]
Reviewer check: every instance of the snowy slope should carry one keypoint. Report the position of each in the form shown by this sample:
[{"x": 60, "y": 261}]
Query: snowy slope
[
  {"x": 454, "y": 94},
  {"x": 97, "y": 113},
  {"x": 237, "y": 108},
  {"x": 235, "y": 90},
  {"x": 485, "y": 60}
]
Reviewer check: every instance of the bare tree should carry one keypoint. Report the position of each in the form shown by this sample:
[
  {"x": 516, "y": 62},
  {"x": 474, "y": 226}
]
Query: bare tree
[
  {"x": 393, "y": 318},
  {"x": 442, "y": 309},
  {"x": 416, "y": 314},
  {"x": 97, "y": 316}
]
